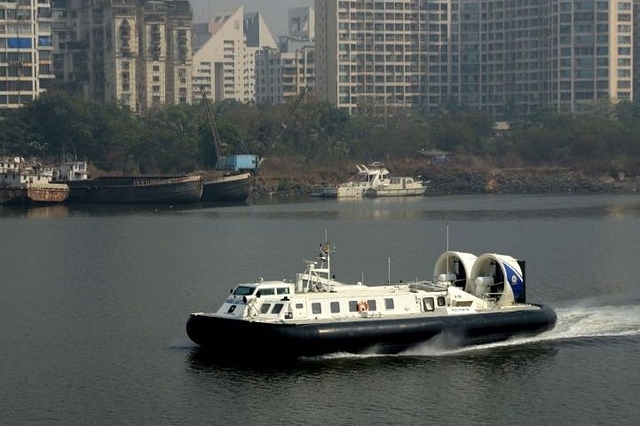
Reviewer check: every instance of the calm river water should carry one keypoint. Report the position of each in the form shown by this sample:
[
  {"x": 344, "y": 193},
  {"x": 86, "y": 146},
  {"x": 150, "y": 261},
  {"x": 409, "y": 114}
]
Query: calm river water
[{"x": 93, "y": 304}]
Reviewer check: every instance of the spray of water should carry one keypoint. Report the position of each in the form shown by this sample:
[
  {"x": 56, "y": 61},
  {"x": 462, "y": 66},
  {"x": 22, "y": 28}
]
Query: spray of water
[
  {"x": 581, "y": 320},
  {"x": 182, "y": 343},
  {"x": 598, "y": 317}
]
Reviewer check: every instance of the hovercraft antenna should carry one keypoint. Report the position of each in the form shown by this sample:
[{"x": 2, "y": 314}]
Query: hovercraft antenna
[{"x": 448, "y": 254}]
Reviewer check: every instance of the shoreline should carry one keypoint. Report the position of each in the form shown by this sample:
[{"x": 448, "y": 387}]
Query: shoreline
[{"x": 443, "y": 181}]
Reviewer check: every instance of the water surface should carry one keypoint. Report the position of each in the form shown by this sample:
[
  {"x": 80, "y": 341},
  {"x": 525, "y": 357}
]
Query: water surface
[{"x": 94, "y": 301}]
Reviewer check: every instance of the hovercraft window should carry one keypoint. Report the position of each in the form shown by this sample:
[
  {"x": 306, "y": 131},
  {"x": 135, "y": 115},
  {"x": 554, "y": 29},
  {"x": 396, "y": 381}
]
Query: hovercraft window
[
  {"x": 353, "y": 306},
  {"x": 427, "y": 304},
  {"x": 441, "y": 301},
  {"x": 283, "y": 290},
  {"x": 316, "y": 308},
  {"x": 267, "y": 291},
  {"x": 243, "y": 290},
  {"x": 277, "y": 308},
  {"x": 335, "y": 307},
  {"x": 388, "y": 304},
  {"x": 372, "y": 305},
  {"x": 264, "y": 308}
]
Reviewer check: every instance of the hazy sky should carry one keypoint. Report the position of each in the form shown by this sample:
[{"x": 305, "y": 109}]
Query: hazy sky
[{"x": 274, "y": 12}]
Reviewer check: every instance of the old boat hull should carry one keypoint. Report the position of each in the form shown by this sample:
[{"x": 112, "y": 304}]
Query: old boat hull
[
  {"x": 33, "y": 194},
  {"x": 137, "y": 189},
  {"x": 29, "y": 183},
  {"x": 231, "y": 337},
  {"x": 227, "y": 189}
]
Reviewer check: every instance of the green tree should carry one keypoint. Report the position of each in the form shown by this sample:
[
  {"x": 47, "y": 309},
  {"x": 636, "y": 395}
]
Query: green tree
[
  {"x": 169, "y": 140},
  {"x": 15, "y": 134}
]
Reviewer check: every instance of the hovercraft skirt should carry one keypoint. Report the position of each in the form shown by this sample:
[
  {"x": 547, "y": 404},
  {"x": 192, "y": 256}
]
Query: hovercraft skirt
[{"x": 226, "y": 336}]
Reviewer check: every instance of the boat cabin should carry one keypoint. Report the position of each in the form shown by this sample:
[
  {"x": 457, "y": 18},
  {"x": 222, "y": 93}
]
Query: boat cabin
[
  {"x": 317, "y": 296},
  {"x": 278, "y": 301},
  {"x": 372, "y": 175}
]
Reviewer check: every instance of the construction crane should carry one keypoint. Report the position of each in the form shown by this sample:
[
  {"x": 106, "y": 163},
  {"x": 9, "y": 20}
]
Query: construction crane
[
  {"x": 232, "y": 163},
  {"x": 218, "y": 146},
  {"x": 277, "y": 135}
]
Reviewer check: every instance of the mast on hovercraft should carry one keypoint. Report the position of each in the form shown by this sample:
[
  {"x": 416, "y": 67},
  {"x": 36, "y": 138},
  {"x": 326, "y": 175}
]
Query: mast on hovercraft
[{"x": 316, "y": 278}]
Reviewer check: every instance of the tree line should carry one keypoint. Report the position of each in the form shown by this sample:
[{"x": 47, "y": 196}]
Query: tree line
[{"x": 178, "y": 138}]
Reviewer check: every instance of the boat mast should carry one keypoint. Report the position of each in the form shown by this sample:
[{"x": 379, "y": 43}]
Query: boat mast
[
  {"x": 389, "y": 270},
  {"x": 328, "y": 251},
  {"x": 447, "y": 237},
  {"x": 448, "y": 254},
  {"x": 325, "y": 261}
]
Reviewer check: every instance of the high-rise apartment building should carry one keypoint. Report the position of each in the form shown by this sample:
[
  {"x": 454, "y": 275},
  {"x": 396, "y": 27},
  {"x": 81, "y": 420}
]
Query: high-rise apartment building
[
  {"x": 301, "y": 23},
  {"x": 224, "y": 58},
  {"x": 636, "y": 49},
  {"x": 25, "y": 50},
  {"x": 591, "y": 54},
  {"x": 268, "y": 73},
  {"x": 368, "y": 53},
  {"x": 134, "y": 52},
  {"x": 499, "y": 56},
  {"x": 283, "y": 73}
]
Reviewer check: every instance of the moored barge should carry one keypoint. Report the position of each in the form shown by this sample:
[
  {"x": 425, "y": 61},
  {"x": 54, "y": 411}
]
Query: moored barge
[{"x": 136, "y": 189}]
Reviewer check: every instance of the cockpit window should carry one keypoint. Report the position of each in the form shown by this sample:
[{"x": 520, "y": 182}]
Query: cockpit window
[
  {"x": 264, "y": 308},
  {"x": 243, "y": 290},
  {"x": 267, "y": 291},
  {"x": 283, "y": 290},
  {"x": 427, "y": 304}
]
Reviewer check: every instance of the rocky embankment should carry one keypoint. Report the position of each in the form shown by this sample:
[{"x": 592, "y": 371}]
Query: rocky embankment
[
  {"x": 443, "y": 181},
  {"x": 523, "y": 181}
]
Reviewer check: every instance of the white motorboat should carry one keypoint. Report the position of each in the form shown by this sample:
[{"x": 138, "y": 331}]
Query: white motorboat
[
  {"x": 374, "y": 181},
  {"x": 367, "y": 177},
  {"x": 472, "y": 300},
  {"x": 397, "y": 187}
]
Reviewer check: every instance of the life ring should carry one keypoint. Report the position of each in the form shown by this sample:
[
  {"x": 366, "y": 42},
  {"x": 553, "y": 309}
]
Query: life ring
[{"x": 363, "y": 306}]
